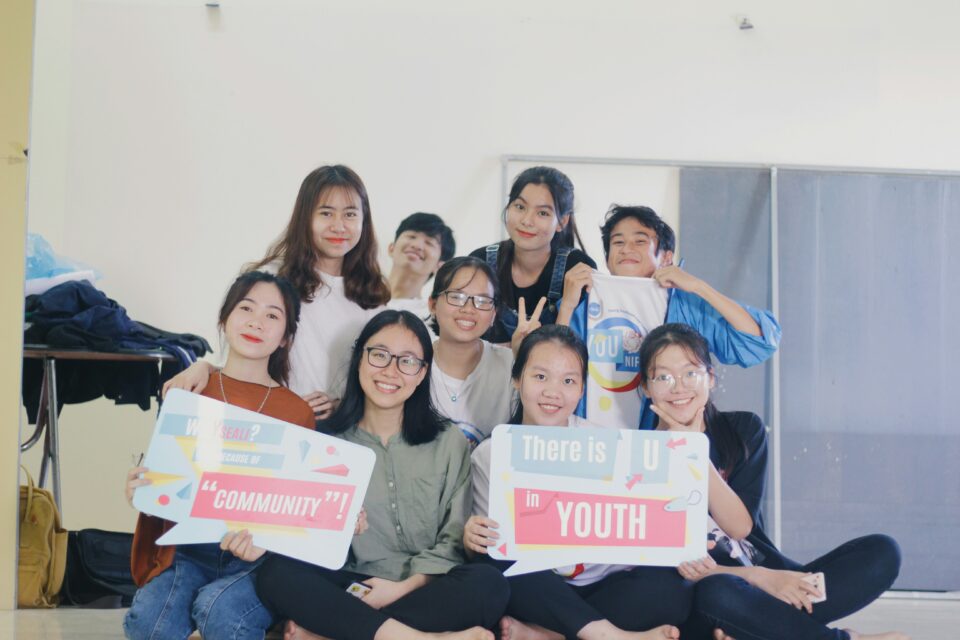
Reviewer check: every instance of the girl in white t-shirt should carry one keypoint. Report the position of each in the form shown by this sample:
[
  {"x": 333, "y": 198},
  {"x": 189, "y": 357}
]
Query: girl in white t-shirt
[
  {"x": 471, "y": 377},
  {"x": 591, "y": 602},
  {"x": 329, "y": 252}
]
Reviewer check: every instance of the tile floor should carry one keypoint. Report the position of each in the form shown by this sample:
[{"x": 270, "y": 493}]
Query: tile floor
[{"x": 922, "y": 619}]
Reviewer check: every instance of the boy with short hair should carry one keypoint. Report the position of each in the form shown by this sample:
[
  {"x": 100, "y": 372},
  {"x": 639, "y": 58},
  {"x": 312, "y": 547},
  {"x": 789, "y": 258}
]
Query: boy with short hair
[{"x": 421, "y": 244}]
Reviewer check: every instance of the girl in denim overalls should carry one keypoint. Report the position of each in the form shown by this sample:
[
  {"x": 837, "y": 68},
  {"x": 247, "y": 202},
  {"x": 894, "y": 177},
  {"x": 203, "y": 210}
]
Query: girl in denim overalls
[{"x": 531, "y": 264}]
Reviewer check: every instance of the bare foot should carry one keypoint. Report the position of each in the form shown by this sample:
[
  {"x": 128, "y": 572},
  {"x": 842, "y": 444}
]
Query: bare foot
[
  {"x": 606, "y": 630},
  {"x": 513, "y": 629},
  {"x": 889, "y": 635},
  {"x": 292, "y": 631},
  {"x": 473, "y": 633},
  {"x": 663, "y": 632}
]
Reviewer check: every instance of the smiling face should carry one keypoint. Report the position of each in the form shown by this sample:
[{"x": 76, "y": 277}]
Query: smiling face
[
  {"x": 550, "y": 385},
  {"x": 531, "y": 218},
  {"x": 255, "y": 327},
  {"x": 678, "y": 383},
  {"x": 388, "y": 387},
  {"x": 634, "y": 251},
  {"x": 337, "y": 225},
  {"x": 417, "y": 252},
  {"x": 466, "y": 323}
]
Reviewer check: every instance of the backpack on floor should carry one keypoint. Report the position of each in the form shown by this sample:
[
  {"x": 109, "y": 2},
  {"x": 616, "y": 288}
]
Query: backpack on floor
[
  {"x": 98, "y": 570},
  {"x": 43, "y": 548}
]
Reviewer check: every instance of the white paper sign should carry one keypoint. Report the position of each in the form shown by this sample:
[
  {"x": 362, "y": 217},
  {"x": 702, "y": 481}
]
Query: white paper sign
[
  {"x": 566, "y": 495},
  {"x": 216, "y": 467}
]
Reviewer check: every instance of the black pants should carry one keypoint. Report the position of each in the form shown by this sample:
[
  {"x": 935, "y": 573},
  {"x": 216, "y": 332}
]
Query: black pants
[
  {"x": 856, "y": 573},
  {"x": 634, "y": 600},
  {"x": 316, "y": 599}
]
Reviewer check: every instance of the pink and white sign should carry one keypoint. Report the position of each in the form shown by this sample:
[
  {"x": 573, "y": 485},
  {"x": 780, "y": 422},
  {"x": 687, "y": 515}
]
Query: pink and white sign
[
  {"x": 215, "y": 468},
  {"x": 565, "y": 496}
]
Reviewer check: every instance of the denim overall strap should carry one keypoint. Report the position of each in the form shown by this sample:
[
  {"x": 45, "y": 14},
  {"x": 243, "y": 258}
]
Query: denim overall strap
[
  {"x": 559, "y": 270},
  {"x": 493, "y": 250},
  {"x": 505, "y": 315}
]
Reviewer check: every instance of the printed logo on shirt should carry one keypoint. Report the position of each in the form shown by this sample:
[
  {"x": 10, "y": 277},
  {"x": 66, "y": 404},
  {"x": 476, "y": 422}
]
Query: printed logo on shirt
[
  {"x": 614, "y": 351},
  {"x": 473, "y": 435}
]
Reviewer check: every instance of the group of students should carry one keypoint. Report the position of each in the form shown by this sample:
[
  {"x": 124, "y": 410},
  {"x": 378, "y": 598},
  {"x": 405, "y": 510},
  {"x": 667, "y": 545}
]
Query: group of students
[{"x": 318, "y": 337}]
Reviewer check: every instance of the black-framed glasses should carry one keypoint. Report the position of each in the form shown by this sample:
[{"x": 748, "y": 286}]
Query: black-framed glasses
[
  {"x": 407, "y": 364},
  {"x": 460, "y": 299},
  {"x": 688, "y": 380}
]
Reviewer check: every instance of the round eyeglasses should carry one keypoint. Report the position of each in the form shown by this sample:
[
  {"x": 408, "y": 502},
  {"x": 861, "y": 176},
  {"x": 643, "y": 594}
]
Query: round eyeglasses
[
  {"x": 460, "y": 299},
  {"x": 407, "y": 364},
  {"x": 688, "y": 380}
]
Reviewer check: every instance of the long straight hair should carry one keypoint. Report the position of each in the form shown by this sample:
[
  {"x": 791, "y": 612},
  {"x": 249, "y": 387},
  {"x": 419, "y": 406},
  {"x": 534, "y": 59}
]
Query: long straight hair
[
  {"x": 278, "y": 365},
  {"x": 561, "y": 189},
  {"x": 560, "y": 335},
  {"x": 731, "y": 448},
  {"x": 421, "y": 421},
  {"x": 363, "y": 283}
]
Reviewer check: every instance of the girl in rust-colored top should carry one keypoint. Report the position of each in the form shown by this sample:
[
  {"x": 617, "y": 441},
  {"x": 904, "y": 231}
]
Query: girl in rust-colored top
[{"x": 199, "y": 586}]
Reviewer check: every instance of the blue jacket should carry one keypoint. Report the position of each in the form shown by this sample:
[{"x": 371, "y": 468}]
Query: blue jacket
[{"x": 727, "y": 344}]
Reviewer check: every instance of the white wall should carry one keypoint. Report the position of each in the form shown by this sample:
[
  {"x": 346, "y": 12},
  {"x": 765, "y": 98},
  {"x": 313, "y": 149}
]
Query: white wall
[{"x": 169, "y": 140}]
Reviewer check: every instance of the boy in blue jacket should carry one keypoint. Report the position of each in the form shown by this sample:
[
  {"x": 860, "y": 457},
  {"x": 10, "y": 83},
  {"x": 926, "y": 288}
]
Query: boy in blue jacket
[{"x": 638, "y": 243}]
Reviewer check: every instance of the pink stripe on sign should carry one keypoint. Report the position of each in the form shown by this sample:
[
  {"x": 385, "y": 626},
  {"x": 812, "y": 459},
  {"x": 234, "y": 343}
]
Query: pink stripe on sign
[
  {"x": 553, "y": 517},
  {"x": 290, "y": 503}
]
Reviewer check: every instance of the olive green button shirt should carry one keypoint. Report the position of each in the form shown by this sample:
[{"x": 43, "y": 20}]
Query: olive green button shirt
[{"x": 417, "y": 503}]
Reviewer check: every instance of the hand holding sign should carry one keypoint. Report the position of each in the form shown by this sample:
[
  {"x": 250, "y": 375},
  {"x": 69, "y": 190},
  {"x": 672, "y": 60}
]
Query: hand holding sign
[
  {"x": 135, "y": 480},
  {"x": 479, "y": 533},
  {"x": 240, "y": 544}
]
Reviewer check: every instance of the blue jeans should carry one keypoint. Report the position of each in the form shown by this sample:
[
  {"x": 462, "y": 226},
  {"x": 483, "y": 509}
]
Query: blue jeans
[
  {"x": 856, "y": 573},
  {"x": 205, "y": 589}
]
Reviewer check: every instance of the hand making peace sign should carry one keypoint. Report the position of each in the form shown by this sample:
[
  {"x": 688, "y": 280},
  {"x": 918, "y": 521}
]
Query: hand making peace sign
[{"x": 526, "y": 325}]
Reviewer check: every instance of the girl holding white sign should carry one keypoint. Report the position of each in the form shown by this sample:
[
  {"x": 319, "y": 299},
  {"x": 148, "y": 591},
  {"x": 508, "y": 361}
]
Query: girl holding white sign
[
  {"x": 471, "y": 377},
  {"x": 755, "y": 591},
  {"x": 587, "y": 601},
  {"x": 329, "y": 252},
  {"x": 199, "y": 586},
  {"x": 404, "y": 576}
]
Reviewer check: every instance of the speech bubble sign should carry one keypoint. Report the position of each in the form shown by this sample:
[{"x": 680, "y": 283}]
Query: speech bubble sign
[
  {"x": 216, "y": 468},
  {"x": 643, "y": 501}
]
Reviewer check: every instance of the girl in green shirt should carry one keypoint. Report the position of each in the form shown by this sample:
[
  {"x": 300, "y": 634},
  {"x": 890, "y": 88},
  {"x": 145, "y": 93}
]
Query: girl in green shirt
[{"x": 408, "y": 564}]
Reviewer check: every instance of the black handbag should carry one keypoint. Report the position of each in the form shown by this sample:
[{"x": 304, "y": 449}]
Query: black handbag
[{"x": 98, "y": 570}]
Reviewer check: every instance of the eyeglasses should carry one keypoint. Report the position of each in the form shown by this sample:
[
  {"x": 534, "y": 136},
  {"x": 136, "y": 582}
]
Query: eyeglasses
[
  {"x": 407, "y": 364},
  {"x": 689, "y": 380},
  {"x": 460, "y": 299}
]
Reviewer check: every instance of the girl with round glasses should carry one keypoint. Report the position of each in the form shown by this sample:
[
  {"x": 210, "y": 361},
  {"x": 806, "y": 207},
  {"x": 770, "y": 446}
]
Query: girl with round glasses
[
  {"x": 746, "y": 587},
  {"x": 409, "y": 560},
  {"x": 470, "y": 382}
]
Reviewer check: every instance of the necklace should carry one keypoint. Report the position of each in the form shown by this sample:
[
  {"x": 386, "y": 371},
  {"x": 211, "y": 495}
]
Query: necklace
[
  {"x": 454, "y": 395},
  {"x": 224, "y": 393}
]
